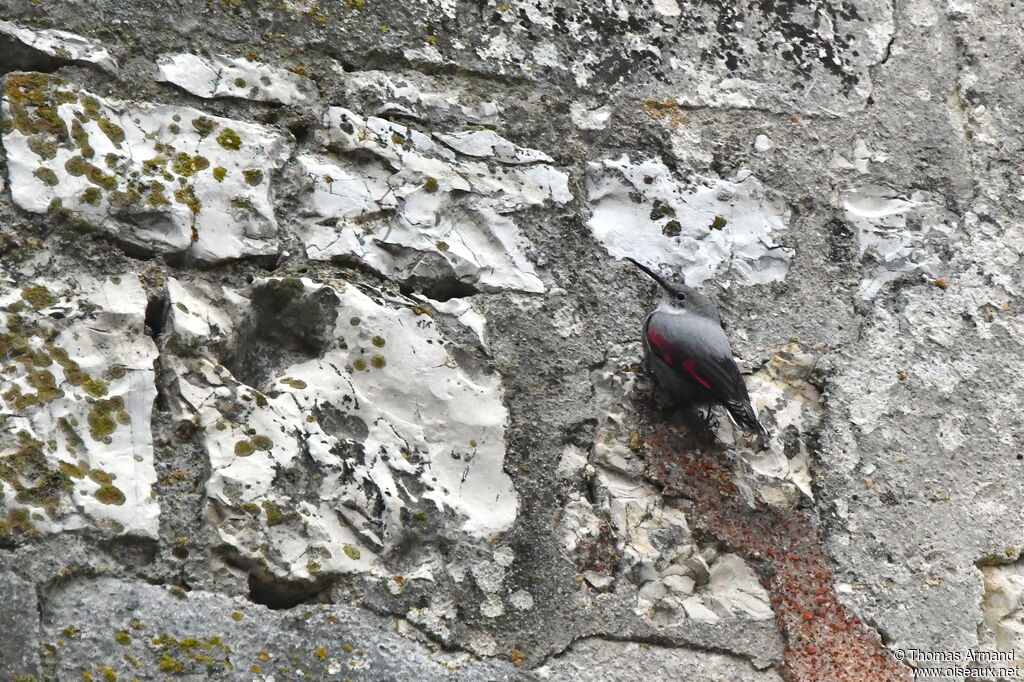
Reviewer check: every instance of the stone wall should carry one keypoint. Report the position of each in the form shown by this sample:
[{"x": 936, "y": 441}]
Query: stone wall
[{"x": 320, "y": 356}]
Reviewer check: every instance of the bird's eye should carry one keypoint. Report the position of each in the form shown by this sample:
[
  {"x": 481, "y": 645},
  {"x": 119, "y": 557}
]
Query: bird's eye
[{"x": 680, "y": 296}]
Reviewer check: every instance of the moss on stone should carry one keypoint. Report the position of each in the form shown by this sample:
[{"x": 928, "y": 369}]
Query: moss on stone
[
  {"x": 169, "y": 664},
  {"x": 204, "y": 126},
  {"x": 253, "y": 176},
  {"x": 188, "y": 197},
  {"x": 101, "y": 417},
  {"x": 109, "y": 494},
  {"x": 81, "y": 139},
  {"x": 30, "y": 104},
  {"x": 244, "y": 448},
  {"x": 274, "y": 515},
  {"x": 17, "y": 521},
  {"x": 91, "y": 107},
  {"x": 219, "y": 172},
  {"x": 98, "y": 177},
  {"x": 229, "y": 139},
  {"x": 91, "y": 196},
  {"x": 38, "y": 296},
  {"x": 181, "y": 163},
  {"x": 156, "y": 197},
  {"x": 113, "y": 131},
  {"x": 76, "y": 166},
  {"x": 41, "y": 146}
]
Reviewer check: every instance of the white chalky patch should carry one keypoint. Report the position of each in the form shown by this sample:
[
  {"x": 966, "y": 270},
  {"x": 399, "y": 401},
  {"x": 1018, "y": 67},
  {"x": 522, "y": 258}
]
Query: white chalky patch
[
  {"x": 60, "y": 45},
  {"x": 412, "y": 207},
  {"x": 386, "y": 429},
  {"x": 708, "y": 228},
  {"x": 893, "y": 232},
  {"x": 223, "y": 76},
  {"x": 76, "y": 449},
  {"x": 162, "y": 179},
  {"x": 416, "y": 95}
]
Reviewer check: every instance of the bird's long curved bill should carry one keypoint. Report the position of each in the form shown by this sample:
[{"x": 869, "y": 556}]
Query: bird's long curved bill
[{"x": 655, "y": 276}]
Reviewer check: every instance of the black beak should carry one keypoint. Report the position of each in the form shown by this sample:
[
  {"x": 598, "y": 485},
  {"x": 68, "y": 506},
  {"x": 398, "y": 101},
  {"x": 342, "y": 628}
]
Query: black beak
[{"x": 655, "y": 276}]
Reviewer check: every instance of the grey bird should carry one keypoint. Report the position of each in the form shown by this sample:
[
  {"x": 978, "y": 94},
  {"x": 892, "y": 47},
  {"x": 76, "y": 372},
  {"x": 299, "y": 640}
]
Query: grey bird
[{"x": 690, "y": 355}]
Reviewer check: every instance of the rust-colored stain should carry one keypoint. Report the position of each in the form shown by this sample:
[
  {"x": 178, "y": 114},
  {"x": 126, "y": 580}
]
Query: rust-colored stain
[{"x": 824, "y": 641}]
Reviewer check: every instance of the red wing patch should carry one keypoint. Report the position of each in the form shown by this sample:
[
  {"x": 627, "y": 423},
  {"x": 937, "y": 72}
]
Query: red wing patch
[
  {"x": 691, "y": 369},
  {"x": 661, "y": 343},
  {"x": 688, "y": 366}
]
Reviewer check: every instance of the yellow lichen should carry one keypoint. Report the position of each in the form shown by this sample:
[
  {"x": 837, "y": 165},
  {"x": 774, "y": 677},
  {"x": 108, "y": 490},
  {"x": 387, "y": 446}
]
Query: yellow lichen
[
  {"x": 109, "y": 494},
  {"x": 112, "y": 131},
  {"x": 667, "y": 109},
  {"x": 38, "y": 296},
  {"x": 188, "y": 197},
  {"x": 228, "y": 139}
]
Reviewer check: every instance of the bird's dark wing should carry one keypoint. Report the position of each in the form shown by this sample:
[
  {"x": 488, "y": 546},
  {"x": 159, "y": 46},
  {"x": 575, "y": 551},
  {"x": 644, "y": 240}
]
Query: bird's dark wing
[{"x": 699, "y": 350}]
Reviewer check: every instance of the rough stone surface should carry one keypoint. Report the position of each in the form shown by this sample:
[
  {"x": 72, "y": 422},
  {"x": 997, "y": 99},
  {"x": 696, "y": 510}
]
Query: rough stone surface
[
  {"x": 163, "y": 179},
  {"x": 222, "y": 76},
  {"x": 403, "y": 430},
  {"x": 425, "y": 209},
  {"x": 197, "y": 201},
  {"x": 624, "y": 661},
  {"x": 77, "y": 403},
  {"x": 24, "y": 47},
  {"x": 19, "y": 628},
  {"x": 147, "y": 632}
]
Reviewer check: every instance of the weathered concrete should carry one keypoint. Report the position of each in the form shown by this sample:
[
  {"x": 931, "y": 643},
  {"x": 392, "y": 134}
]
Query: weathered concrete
[{"x": 307, "y": 303}]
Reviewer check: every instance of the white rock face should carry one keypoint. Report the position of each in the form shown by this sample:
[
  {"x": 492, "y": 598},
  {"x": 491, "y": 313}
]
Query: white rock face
[
  {"x": 893, "y": 233},
  {"x": 223, "y": 76},
  {"x": 628, "y": 532},
  {"x": 416, "y": 96},
  {"x": 161, "y": 179},
  {"x": 710, "y": 228},
  {"x": 320, "y": 466},
  {"x": 589, "y": 117},
  {"x": 60, "y": 44},
  {"x": 1002, "y": 627},
  {"x": 785, "y": 401},
  {"x": 76, "y": 448},
  {"x": 463, "y": 310},
  {"x": 617, "y": 661},
  {"x": 676, "y": 578},
  {"x": 416, "y": 207}
]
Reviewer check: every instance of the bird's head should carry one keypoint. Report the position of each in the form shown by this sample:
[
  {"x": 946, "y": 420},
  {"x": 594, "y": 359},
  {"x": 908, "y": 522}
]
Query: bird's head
[{"x": 681, "y": 297}]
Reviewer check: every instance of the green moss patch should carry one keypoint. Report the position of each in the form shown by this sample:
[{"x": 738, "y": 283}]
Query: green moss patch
[{"x": 229, "y": 139}]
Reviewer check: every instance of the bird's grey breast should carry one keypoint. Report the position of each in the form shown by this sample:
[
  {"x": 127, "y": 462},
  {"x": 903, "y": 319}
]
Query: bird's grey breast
[{"x": 693, "y": 334}]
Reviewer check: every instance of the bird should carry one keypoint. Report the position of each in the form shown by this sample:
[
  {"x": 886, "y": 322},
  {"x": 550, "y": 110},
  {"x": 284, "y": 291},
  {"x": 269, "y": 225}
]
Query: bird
[{"x": 689, "y": 353}]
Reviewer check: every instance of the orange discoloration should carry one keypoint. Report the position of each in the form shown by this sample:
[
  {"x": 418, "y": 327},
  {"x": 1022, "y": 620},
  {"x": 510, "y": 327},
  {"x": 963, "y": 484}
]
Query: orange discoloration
[{"x": 824, "y": 641}]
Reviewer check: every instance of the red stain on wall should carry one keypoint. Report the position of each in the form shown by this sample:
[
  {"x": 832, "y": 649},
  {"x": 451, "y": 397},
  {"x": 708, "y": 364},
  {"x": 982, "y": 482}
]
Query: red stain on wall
[{"x": 824, "y": 640}]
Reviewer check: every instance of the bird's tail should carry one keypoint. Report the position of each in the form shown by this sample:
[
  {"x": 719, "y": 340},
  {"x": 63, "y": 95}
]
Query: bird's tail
[{"x": 743, "y": 415}]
